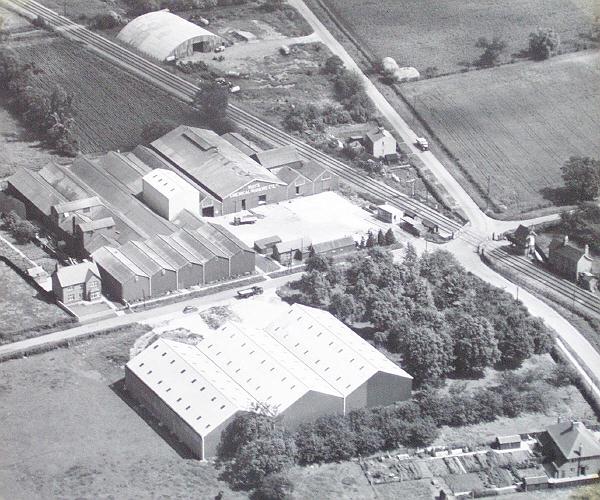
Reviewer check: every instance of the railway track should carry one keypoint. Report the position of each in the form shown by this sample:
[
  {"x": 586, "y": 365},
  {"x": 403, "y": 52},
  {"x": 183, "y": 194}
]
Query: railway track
[
  {"x": 565, "y": 288},
  {"x": 185, "y": 90}
]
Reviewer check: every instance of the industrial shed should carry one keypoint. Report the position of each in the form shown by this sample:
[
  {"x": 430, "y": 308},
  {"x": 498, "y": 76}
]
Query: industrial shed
[
  {"x": 305, "y": 365},
  {"x": 163, "y": 35}
]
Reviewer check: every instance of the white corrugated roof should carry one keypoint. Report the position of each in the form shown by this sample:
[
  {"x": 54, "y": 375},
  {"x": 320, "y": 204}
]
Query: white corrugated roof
[
  {"x": 179, "y": 374},
  {"x": 304, "y": 350},
  {"x": 331, "y": 349},
  {"x": 168, "y": 183},
  {"x": 159, "y": 33}
]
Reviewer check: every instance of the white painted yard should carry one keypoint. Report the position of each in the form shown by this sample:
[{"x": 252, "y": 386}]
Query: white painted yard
[{"x": 322, "y": 217}]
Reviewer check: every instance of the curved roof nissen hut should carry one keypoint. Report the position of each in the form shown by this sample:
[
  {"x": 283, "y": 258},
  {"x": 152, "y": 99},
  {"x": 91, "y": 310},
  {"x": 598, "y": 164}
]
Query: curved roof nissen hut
[{"x": 162, "y": 35}]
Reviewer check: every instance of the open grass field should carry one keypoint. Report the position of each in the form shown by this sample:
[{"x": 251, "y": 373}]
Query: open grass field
[
  {"x": 515, "y": 125},
  {"x": 67, "y": 433},
  {"x": 21, "y": 307},
  {"x": 111, "y": 106},
  {"x": 430, "y": 33}
]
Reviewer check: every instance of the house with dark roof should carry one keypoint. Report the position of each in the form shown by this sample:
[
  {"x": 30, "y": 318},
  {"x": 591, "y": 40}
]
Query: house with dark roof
[
  {"x": 568, "y": 260},
  {"x": 571, "y": 449},
  {"x": 522, "y": 240},
  {"x": 75, "y": 283}
]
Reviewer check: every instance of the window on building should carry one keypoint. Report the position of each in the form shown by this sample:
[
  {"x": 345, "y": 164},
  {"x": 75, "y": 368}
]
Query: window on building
[
  {"x": 86, "y": 210},
  {"x": 243, "y": 204},
  {"x": 297, "y": 189},
  {"x": 262, "y": 199}
]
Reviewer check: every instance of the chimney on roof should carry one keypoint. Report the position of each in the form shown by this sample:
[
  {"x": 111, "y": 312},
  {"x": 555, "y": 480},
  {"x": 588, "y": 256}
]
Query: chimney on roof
[
  {"x": 565, "y": 240},
  {"x": 380, "y": 128}
]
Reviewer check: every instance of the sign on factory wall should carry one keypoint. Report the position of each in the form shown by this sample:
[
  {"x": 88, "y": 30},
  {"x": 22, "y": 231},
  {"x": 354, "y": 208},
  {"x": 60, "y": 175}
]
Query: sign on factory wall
[{"x": 255, "y": 187}]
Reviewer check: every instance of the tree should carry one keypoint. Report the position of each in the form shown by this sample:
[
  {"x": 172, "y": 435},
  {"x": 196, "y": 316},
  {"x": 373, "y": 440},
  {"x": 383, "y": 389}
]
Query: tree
[
  {"x": 343, "y": 307},
  {"x": 581, "y": 176},
  {"x": 327, "y": 439},
  {"x": 243, "y": 429},
  {"x": 319, "y": 263},
  {"x": 380, "y": 238},
  {"x": 333, "y": 65},
  {"x": 543, "y": 44},
  {"x": 311, "y": 252},
  {"x": 347, "y": 84},
  {"x": 212, "y": 100},
  {"x": 261, "y": 457},
  {"x": 390, "y": 237},
  {"x": 24, "y": 231},
  {"x": 9, "y": 67},
  {"x": 427, "y": 354},
  {"x": 274, "y": 487},
  {"x": 475, "y": 346},
  {"x": 492, "y": 51},
  {"x": 371, "y": 241}
]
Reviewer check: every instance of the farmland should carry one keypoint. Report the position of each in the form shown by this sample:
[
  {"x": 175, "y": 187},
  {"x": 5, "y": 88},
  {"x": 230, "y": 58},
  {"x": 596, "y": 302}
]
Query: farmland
[
  {"x": 111, "y": 107},
  {"x": 430, "y": 33},
  {"x": 514, "y": 126}
]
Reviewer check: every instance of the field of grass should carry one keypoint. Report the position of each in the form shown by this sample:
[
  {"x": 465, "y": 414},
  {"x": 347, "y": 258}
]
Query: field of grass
[
  {"x": 566, "y": 402},
  {"x": 22, "y": 308},
  {"x": 430, "y": 33},
  {"x": 111, "y": 106},
  {"x": 67, "y": 433},
  {"x": 514, "y": 126}
]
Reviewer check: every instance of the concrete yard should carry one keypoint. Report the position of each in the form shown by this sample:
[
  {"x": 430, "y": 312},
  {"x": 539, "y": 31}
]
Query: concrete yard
[{"x": 322, "y": 217}]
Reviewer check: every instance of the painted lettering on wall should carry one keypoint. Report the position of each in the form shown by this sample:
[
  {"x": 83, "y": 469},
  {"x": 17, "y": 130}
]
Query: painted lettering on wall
[{"x": 257, "y": 187}]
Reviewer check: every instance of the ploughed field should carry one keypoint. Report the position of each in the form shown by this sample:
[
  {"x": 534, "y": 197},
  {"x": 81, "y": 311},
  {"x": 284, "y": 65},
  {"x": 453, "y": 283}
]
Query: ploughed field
[
  {"x": 442, "y": 34},
  {"x": 516, "y": 123},
  {"x": 111, "y": 107}
]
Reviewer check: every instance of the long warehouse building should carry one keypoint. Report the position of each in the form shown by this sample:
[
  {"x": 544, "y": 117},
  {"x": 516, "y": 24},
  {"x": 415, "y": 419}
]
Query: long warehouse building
[{"x": 304, "y": 365}]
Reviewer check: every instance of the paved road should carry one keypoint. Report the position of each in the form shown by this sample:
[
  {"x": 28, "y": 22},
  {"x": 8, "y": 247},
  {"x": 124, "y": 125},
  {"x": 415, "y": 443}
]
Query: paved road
[
  {"x": 480, "y": 222},
  {"x": 168, "y": 310}
]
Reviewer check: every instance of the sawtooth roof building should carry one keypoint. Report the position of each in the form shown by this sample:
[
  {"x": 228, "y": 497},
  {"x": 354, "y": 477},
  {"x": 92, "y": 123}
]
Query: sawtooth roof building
[
  {"x": 163, "y": 35},
  {"x": 304, "y": 365}
]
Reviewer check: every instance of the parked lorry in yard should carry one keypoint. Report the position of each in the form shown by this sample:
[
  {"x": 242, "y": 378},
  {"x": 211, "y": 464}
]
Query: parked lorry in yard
[
  {"x": 244, "y": 219},
  {"x": 249, "y": 292}
]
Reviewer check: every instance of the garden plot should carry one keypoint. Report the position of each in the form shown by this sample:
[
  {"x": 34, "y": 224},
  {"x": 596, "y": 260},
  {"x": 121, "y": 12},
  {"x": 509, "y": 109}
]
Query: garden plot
[{"x": 322, "y": 217}]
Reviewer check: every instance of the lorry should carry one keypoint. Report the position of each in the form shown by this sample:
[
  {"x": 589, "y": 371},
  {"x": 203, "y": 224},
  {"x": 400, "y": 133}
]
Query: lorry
[
  {"x": 422, "y": 144},
  {"x": 244, "y": 219},
  {"x": 249, "y": 292}
]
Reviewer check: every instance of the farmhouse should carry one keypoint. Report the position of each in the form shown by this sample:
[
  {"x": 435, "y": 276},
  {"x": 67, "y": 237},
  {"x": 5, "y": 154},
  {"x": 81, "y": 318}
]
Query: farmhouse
[
  {"x": 163, "y": 36},
  {"x": 76, "y": 283},
  {"x": 568, "y": 260},
  {"x": 306, "y": 364},
  {"x": 572, "y": 448},
  {"x": 380, "y": 143}
]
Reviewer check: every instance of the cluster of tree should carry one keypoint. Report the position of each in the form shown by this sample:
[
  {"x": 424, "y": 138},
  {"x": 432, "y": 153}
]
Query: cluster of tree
[
  {"x": 355, "y": 105},
  {"x": 139, "y": 7},
  {"x": 492, "y": 49},
  {"x": 107, "y": 21},
  {"x": 583, "y": 225},
  {"x": 22, "y": 230},
  {"x": 50, "y": 115},
  {"x": 543, "y": 44},
  {"x": 212, "y": 101},
  {"x": 381, "y": 239},
  {"x": 256, "y": 451},
  {"x": 437, "y": 316},
  {"x": 581, "y": 176}
]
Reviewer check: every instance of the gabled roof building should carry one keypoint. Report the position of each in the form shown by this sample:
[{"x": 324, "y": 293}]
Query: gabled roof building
[{"x": 306, "y": 364}]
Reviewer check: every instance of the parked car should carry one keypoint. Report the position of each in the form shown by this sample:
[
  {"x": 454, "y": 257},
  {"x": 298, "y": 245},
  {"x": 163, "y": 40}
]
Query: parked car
[
  {"x": 220, "y": 48},
  {"x": 189, "y": 309},
  {"x": 249, "y": 292}
]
